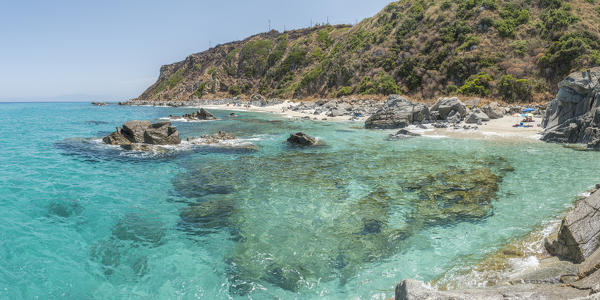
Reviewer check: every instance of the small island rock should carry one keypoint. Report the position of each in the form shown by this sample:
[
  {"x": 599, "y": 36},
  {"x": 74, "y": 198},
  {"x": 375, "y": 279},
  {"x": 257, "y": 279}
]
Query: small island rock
[{"x": 301, "y": 139}]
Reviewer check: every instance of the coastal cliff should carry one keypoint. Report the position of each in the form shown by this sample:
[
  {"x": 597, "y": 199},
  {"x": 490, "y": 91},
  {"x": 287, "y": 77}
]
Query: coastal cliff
[{"x": 512, "y": 50}]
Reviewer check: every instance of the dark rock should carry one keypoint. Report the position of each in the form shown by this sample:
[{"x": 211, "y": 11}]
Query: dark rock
[
  {"x": 403, "y": 133},
  {"x": 99, "y": 103},
  {"x": 444, "y": 106},
  {"x": 454, "y": 117},
  {"x": 140, "y": 135},
  {"x": 398, "y": 112},
  {"x": 301, "y": 139},
  {"x": 579, "y": 233},
  {"x": 162, "y": 134},
  {"x": 573, "y": 117},
  {"x": 134, "y": 130},
  {"x": 201, "y": 114},
  {"x": 116, "y": 138}
]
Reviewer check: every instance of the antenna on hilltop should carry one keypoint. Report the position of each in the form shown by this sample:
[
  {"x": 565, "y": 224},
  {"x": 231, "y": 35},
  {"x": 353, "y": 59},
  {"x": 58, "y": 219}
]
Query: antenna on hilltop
[
  {"x": 327, "y": 20},
  {"x": 269, "y": 25}
]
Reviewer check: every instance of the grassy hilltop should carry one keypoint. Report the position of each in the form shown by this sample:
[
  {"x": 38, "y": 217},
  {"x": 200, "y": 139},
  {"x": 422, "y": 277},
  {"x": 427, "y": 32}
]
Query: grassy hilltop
[{"x": 512, "y": 50}]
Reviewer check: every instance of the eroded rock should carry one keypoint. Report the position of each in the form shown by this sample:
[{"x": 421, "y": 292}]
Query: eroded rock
[
  {"x": 398, "y": 112},
  {"x": 142, "y": 135},
  {"x": 579, "y": 233}
]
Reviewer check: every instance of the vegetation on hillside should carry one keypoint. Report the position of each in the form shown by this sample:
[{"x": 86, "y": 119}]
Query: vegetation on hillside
[{"x": 516, "y": 50}]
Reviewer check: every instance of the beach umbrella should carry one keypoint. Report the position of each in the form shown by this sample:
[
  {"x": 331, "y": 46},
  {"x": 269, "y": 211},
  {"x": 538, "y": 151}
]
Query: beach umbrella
[{"x": 526, "y": 110}]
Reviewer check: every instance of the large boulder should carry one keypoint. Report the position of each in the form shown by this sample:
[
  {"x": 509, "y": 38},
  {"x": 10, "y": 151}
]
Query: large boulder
[
  {"x": 398, "y": 112},
  {"x": 161, "y": 134},
  {"x": 573, "y": 116},
  {"x": 476, "y": 117},
  {"x": 140, "y": 135},
  {"x": 579, "y": 233},
  {"x": 301, "y": 139},
  {"x": 444, "y": 106},
  {"x": 134, "y": 130},
  {"x": 493, "y": 110}
]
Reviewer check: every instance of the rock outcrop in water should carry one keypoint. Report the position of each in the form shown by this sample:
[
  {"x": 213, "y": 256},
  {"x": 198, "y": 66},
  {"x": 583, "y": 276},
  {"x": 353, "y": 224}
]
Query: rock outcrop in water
[
  {"x": 140, "y": 135},
  {"x": 573, "y": 117},
  {"x": 301, "y": 139},
  {"x": 398, "y": 112},
  {"x": 201, "y": 114}
]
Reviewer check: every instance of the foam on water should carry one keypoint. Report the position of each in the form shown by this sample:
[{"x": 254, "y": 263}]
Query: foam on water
[{"x": 83, "y": 220}]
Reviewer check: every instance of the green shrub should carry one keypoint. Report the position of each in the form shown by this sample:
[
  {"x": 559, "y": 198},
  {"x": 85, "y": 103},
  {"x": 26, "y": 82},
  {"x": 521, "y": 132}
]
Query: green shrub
[
  {"x": 557, "y": 19},
  {"x": 234, "y": 90},
  {"x": 446, "y": 5},
  {"x": 476, "y": 85},
  {"x": 520, "y": 47},
  {"x": 470, "y": 41},
  {"x": 455, "y": 31},
  {"x": 572, "y": 50},
  {"x": 515, "y": 90},
  {"x": 254, "y": 57},
  {"x": 512, "y": 16},
  {"x": 200, "y": 90},
  {"x": 311, "y": 76},
  {"x": 387, "y": 85},
  {"x": 171, "y": 82},
  {"x": 344, "y": 91},
  {"x": 368, "y": 86},
  {"x": 279, "y": 50},
  {"x": 323, "y": 39}
]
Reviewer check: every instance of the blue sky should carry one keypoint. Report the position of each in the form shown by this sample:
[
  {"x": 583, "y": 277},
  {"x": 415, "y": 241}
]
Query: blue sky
[{"x": 87, "y": 49}]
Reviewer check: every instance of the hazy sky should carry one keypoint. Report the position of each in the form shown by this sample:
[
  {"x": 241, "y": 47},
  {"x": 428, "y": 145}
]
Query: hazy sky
[{"x": 114, "y": 48}]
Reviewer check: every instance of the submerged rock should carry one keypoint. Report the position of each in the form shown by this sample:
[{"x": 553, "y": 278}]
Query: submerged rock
[
  {"x": 343, "y": 230},
  {"x": 99, "y": 103},
  {"x": 141, "y": 135},
  {"x": 403, "y": 133},
  {"x": 301, "y": 139},
  {"x": 140, "y": 229},
  {"x": 398, "y": 112}
]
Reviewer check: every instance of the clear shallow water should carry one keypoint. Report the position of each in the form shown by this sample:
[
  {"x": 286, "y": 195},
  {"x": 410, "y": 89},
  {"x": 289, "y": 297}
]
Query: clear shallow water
[{"x": 347, "y": 220}]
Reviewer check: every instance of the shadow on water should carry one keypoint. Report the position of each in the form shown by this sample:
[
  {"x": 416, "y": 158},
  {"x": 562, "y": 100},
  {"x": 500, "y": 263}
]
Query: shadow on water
[{"x": 304, "y": 216}]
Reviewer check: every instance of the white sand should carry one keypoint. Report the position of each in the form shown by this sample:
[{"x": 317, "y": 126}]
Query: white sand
[
  {"x": 281, "y": 109},
  {"x": 493, "y": 129}
]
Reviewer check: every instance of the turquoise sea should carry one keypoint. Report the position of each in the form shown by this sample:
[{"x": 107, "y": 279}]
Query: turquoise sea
[{"x": 347, "y": 220}]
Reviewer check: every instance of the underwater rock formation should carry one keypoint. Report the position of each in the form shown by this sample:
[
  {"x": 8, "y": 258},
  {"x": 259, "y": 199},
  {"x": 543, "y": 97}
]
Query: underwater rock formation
[{"x": 364, "y": 227}]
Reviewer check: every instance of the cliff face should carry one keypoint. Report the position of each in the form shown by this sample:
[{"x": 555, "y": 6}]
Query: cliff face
[{"x": 516, "y": 50}]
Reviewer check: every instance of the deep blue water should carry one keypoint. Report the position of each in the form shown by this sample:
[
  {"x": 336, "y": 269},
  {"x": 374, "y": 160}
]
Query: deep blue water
[{"x": 348, "y": 220}]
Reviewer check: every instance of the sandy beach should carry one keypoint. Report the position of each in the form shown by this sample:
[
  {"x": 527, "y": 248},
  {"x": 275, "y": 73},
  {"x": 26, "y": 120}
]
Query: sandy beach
[{"x": 494, "y": 129}]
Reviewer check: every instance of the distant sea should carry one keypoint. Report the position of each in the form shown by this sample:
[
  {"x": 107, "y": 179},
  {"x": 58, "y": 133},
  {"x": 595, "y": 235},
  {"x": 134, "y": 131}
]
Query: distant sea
[{"x": 345, "y": 220}]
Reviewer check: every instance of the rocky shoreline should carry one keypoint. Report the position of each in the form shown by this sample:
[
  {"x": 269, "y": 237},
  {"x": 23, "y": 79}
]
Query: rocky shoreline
[{"x": 570, "y": 270}]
